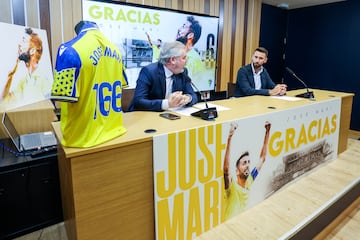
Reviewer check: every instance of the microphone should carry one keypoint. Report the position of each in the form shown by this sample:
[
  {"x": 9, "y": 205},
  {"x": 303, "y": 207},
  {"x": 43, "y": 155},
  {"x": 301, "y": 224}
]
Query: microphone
[
  {"x": 207, "y": 113},
  {"x": 307, "y": 94}
]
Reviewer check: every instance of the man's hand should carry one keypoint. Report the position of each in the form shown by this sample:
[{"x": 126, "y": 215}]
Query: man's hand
[
  {"x": 267, "y": 126},
  {"x": 177, "y": 99},
  {"x": 279, "y": 89},
  {"x": 233, "y": 127},
  {"x": 283, "y": 88}
]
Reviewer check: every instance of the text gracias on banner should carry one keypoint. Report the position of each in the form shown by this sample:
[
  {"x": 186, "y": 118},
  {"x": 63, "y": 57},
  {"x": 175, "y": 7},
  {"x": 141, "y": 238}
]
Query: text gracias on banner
[{"x": 208, "y": 172}]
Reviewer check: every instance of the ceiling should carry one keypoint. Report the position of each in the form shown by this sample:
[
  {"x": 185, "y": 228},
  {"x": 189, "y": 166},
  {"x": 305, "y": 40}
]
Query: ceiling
[{"x": 291, "y": 4}]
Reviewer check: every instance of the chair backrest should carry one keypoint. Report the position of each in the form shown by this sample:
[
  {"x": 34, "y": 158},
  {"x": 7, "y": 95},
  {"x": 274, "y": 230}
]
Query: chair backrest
[
  {"x": 126, "y": 98},
  {"x": 230, "y": 89}
]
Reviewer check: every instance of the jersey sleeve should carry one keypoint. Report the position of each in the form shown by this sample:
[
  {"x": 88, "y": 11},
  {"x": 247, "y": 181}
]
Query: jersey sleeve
[{"x": 68, "y": 64}]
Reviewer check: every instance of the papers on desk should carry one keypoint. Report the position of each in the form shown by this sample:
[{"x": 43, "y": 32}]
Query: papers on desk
[
  {"x": 187, "y": 111},
  {"x": 202, "y": 105},
  {"x": 287, "y": 98}
]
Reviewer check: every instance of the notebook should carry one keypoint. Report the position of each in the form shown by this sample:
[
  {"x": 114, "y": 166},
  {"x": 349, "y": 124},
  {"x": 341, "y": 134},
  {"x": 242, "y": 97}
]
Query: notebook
[{"x": 28, "y": 142}]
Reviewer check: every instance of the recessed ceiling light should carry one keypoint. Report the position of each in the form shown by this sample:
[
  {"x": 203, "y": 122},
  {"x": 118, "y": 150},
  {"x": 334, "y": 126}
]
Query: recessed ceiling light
[{"x": 283, "y": 5}]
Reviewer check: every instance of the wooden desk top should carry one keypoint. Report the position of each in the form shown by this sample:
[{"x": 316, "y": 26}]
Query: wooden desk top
[{"x": 137, "y": 122}]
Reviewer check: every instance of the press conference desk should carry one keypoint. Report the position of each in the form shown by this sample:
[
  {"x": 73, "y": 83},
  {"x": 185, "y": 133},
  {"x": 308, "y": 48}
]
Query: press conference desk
[{"x": 107, "y": 190}]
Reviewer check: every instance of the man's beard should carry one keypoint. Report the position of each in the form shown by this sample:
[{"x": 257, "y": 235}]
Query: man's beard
[
  {"x": 256, "y": 65},
  {"x": 25, "y": 56},
  {"x": 182, "y": 39},
  {"x": 244, "y": 176}
]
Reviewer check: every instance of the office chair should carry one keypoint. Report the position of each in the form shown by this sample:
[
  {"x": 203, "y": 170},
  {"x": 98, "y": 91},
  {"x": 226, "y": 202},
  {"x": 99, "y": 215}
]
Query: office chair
[
  {"x": 126, "y": 98},
  {"x": 230, "y": 89}
]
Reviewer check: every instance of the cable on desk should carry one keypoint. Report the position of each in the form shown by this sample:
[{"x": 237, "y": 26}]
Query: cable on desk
[{"x": 16, "y": 153}]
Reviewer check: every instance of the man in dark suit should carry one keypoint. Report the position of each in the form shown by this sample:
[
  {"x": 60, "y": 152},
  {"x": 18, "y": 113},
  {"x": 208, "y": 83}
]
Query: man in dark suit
[
  {"x": 164, "y": 84},
  {"x": 253, "y": 79}
]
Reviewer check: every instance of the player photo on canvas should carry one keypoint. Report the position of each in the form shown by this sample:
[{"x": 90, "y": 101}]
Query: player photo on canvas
[{"x": 26, "y": 72}]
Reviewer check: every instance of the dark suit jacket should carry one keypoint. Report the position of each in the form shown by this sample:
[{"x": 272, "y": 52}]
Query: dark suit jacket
[
  {"x": 245, "y": 85},
  {"x": 151, "y": 88}
]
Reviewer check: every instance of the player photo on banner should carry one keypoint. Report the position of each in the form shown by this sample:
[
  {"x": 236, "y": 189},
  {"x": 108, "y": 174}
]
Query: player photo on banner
[
  {"x": 26, "y": 73},
  {"x": 139, "y": 32},
  {"x": 208, "y": 175}
]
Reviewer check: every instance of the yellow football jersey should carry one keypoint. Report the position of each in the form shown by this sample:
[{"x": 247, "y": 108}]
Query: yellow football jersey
[
  {"x": 88, "y": 79},
  {"x": 237, "y": 197}
]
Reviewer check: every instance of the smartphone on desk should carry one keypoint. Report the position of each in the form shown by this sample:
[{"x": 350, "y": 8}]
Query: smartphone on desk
[{"x": 170, "y": 116}]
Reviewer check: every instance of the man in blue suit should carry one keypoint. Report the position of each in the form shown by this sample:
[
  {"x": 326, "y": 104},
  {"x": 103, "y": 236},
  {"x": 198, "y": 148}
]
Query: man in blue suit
[
  {"x": 253, "y": 79},
  {"x": 164, "y": 84}
]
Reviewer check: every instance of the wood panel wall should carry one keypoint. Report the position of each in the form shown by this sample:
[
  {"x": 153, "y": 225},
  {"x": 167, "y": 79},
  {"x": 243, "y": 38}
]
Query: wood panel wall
[{"x": 238, "y": 29}]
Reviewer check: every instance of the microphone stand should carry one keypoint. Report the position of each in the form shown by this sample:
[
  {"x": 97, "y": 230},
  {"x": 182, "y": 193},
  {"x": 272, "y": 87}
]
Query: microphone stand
[
  {"x": 207, "y": 113},
  {"x": 308, "y": 94}
]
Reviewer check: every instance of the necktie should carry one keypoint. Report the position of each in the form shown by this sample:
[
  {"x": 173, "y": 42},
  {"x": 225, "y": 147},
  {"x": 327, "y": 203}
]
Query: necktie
[{"x": 169, "y": 85}]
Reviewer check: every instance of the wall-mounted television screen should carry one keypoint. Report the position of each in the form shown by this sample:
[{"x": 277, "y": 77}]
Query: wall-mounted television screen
[{"x": 140, "y": 30}]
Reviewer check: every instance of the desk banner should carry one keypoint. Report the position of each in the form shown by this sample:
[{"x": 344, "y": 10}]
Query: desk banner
[{"x": 206, "y": 175}]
